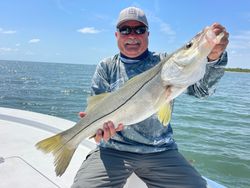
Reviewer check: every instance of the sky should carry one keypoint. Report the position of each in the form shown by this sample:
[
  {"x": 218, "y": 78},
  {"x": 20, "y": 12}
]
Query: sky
[{"x": 82, "y": 31}]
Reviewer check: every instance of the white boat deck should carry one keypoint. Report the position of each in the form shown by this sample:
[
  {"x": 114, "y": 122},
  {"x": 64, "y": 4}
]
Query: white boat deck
[{"x": 23, "y": 166}]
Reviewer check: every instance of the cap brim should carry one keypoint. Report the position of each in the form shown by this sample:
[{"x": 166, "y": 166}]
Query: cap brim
[{"x": 125, "y": 20}]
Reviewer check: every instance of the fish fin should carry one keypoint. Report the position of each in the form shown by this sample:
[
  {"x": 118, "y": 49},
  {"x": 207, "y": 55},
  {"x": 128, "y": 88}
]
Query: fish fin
[
  {"x": 62, "y": 152},
  {"x": 93, "y": 100},
  {"x": 164, "y": 113}
]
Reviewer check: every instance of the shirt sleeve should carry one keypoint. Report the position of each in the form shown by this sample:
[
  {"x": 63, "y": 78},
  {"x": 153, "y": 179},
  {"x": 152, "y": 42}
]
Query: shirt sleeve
[
  {"x": 100, "y": 80},
  {"x": 207, "y": 85}
]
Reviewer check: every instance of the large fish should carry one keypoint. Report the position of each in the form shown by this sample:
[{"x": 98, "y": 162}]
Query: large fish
[{"x": 142, "y": 96}]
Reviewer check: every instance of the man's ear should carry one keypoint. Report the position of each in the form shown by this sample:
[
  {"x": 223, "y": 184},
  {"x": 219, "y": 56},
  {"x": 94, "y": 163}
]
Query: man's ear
[{"x": 116, "y": 34}]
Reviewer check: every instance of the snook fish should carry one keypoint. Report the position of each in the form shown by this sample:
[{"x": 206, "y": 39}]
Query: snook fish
[{"x": 142, "y": 96}]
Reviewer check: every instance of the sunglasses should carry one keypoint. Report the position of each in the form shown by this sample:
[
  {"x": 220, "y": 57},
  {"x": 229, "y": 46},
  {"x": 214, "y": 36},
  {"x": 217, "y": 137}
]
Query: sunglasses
[{"x": 126, "y": 30}]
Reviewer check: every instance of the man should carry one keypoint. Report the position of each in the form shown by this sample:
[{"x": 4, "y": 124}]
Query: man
[{"x": 147, "y": 148}]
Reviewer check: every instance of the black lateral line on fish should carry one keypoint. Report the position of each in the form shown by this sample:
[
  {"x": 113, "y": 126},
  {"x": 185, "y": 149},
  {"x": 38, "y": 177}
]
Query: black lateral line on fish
[{"x": 114, "y": 109}]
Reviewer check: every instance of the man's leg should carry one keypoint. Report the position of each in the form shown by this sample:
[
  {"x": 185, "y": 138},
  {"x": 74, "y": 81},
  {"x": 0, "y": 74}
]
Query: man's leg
[
  {"x": 169, "y": 169},
  {"x": 103, "y": 168}
]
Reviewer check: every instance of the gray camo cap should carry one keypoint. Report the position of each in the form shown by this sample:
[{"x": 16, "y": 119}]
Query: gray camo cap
[{"x": 132, "y": 13}]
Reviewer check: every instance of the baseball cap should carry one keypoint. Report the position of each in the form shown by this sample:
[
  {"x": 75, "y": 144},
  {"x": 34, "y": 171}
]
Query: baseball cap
[{"x": 132, "y": 13}]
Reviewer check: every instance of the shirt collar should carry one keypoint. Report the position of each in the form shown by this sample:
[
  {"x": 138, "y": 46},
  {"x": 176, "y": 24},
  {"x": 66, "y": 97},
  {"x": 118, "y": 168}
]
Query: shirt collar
[{"x": 126, "y": 59}]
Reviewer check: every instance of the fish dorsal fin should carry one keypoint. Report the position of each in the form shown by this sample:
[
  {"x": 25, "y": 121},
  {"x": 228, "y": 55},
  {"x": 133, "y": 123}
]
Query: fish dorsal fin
[
  {"x": 95, "y": 99},
  {"x": 164, "y": 113}
]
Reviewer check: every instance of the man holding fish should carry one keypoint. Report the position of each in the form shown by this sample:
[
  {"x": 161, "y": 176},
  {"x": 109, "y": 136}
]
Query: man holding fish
[
  {"x": 144, "y": 103},
  {"x": 146, "y": 148}
]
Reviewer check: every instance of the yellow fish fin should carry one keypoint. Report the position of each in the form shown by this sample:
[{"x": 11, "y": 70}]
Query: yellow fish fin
[
  {"x": 164, "y": 113},
  {"x": 93, "y": 100},
  {"x": 62, "y": 152}
]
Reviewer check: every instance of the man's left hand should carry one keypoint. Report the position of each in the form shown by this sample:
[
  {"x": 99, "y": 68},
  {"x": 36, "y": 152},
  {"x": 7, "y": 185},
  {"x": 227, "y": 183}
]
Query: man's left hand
[{"x": 221, "y": 46}]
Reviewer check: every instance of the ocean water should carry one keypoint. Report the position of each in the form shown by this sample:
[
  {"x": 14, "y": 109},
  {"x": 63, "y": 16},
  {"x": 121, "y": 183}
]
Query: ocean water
[{"x": 213, "y": 133}]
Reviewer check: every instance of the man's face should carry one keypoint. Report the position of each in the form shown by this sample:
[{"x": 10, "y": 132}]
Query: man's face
[{"x": 133, "y": 44}]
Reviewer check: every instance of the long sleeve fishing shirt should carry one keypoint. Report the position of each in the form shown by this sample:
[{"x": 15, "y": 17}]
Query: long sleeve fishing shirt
[{"x": 149, "y": 135}]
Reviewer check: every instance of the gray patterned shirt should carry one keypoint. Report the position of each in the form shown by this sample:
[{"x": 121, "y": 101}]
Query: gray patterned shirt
[{"x": 149, "y": 135}]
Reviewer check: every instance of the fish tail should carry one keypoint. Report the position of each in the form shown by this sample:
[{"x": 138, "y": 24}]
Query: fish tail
[{"x": 62, "y": 152}]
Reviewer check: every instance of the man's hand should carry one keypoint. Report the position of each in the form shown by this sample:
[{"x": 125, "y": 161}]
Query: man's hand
[
  {"x": 107, "y": 132},
  {"x": 220, "y": 47}
]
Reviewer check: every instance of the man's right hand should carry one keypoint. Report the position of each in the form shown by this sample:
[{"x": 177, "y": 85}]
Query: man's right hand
[{"x": 107, "y": 132}]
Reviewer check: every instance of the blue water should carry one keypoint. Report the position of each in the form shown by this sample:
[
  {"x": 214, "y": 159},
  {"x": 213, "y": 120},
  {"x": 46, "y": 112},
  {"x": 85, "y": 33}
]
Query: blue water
[{"x": 214, "y": 133}]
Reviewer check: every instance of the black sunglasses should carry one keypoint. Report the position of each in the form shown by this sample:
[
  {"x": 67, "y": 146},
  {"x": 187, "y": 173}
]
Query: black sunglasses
[{"x": 126, "y": 30}]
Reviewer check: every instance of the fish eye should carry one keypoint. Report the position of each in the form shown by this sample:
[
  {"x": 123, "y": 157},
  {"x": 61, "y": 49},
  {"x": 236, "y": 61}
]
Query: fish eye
[{"x": 189, "y": 44}]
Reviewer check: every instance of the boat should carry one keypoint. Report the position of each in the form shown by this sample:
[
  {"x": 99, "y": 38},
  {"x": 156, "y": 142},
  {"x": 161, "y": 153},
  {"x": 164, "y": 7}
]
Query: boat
[{"x": 23, "y": 166}]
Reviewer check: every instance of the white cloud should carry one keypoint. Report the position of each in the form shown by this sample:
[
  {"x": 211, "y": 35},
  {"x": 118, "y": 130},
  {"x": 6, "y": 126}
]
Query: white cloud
[
  {"x": 166, "y": 28},
  {"x": 240, "y": 41},
  {"x": 242, "y": 35},
  {"x": 239, "y": 49},
  {"x": 7, "y": 31},
  {"x": 6, "y": 49},
  {"x": 162, "y": 26},
  {"x": 34, "y": 40},
  {"x": 88, "y": 30}
]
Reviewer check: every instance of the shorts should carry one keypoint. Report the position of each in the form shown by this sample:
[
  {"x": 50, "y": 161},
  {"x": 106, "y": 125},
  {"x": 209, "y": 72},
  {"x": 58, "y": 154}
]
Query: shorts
[{"x": 108, "y": 168}]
